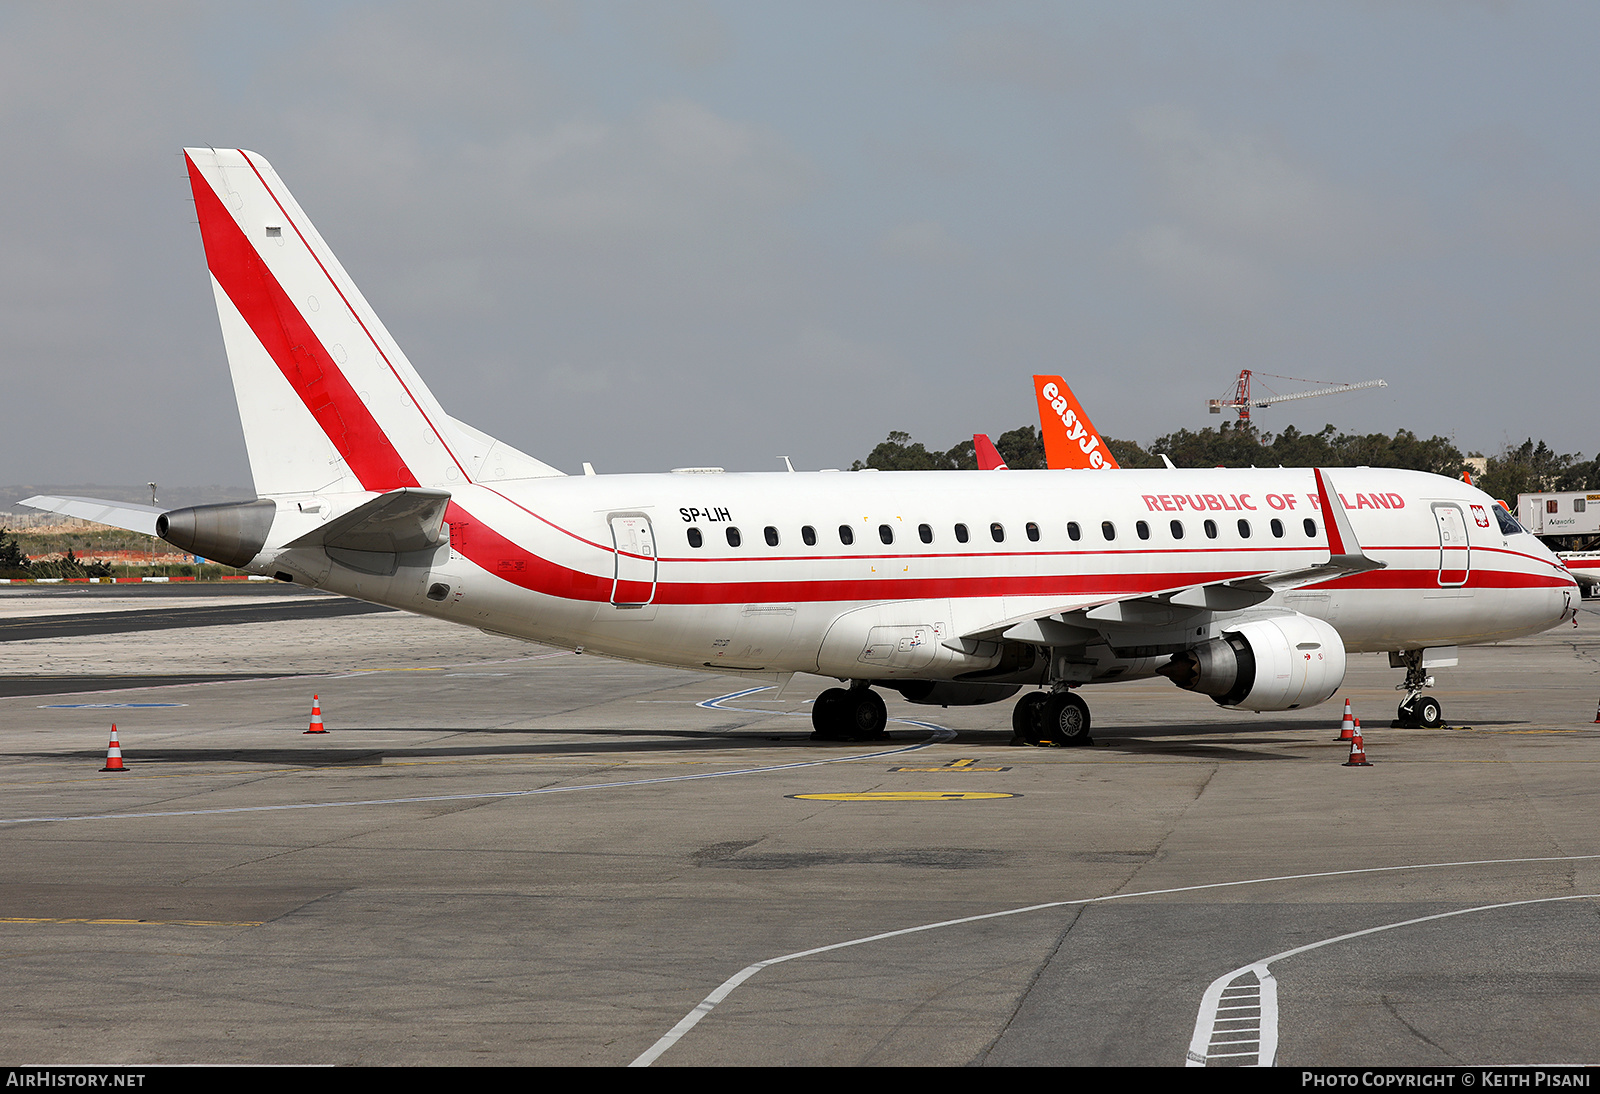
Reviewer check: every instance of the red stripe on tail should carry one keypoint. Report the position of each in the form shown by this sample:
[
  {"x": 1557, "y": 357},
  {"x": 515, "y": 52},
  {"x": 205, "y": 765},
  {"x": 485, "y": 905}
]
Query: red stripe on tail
[{"x": 293, "y": 346}]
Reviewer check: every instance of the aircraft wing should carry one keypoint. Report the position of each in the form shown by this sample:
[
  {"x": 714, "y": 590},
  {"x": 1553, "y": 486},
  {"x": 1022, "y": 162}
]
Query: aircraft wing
[
  {"x": 1078, "y": 620},
  {"x": 118, "y": 514}
]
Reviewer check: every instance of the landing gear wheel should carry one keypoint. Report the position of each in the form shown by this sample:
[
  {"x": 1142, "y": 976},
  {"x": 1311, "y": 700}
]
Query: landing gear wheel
[
  {"x": 1026, "y": 716},
  {"x": 828, "y": 715},
  {"x": 867, "y": 716},
  {"x": 1065, "y": 720},
  {"x": 1427, "y": 712},
  {"x": 857, "y": 714},
  {"x": 1406, "y": 716}
]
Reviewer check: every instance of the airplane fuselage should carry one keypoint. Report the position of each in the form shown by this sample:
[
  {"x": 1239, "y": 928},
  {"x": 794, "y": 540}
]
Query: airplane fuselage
[{"x": 752, "y": 572}]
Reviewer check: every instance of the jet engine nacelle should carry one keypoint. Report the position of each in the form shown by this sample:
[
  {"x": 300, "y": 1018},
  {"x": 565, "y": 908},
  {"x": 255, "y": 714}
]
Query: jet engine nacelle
[
  {"x": 954, "y": 693},
  {"x": 1278, "y": 663},
  {"x": 232, "y": 533}
]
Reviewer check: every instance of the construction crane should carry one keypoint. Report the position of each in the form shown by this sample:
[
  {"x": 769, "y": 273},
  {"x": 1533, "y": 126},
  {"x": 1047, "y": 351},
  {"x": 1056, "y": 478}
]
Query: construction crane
[{"x": 1242, "y": 400}]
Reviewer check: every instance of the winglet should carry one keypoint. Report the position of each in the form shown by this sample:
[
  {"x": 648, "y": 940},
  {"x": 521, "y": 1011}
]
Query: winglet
[
  {"x": 1344, "y": 550},
  {"x": 989, "y": 458}
]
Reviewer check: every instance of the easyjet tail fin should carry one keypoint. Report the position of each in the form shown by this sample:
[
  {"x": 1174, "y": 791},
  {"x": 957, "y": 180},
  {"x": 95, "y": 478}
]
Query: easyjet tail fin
[
  {"x": 1070, "y": 440},
  {"x": 328, "y": 401}
]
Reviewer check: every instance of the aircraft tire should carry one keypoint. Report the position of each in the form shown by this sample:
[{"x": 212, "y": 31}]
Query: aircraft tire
[
  {"x": 1026, "y": 716},
  {"x": 865, "y": 715},
  {"x": 1065, "y": 720},
  {"x": 829, "y": 715},
  {"x": 1427, "y": 711},
  {"x": 1405, "y": 717}
]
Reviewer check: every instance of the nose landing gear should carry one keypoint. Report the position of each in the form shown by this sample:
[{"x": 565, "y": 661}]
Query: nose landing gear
[{"x": 1417, "y": 711}]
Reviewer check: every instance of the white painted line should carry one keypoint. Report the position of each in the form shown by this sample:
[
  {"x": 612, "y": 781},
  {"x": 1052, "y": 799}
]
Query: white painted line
[
  {"x": 706, "y": 1005},
  {"x": 1205, "y": 1032},
  {"x": 939, "y": 735}
]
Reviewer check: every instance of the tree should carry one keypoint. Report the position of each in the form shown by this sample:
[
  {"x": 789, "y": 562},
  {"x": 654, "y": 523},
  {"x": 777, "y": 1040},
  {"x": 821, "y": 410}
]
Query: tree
[
  {"x": 12, "y": 560},
  {"x": 1536, "y": 468}
]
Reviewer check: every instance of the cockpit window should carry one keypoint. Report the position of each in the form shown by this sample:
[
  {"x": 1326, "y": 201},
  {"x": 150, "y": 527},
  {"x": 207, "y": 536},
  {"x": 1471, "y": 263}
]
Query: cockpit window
[{"x": 1508, "y": 523}]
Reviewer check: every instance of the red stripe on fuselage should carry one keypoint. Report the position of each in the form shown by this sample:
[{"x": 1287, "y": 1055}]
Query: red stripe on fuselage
[
  {"x": 294, "y": 347},
  {"x": 488, "y": 549}
]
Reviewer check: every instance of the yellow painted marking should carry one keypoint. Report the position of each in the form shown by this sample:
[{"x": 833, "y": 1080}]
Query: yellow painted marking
[
  {"x": 139, "y": 922},
  {"x": 953, "y": 765},
  {"x": 907, "y": 796}
]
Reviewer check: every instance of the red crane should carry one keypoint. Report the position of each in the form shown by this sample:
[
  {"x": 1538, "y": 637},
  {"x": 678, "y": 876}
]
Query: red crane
[{"x": 1242, "y": 400}]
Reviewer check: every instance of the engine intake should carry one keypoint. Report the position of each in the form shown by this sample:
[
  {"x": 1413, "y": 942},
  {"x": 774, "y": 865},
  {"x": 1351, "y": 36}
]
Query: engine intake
[{"x": 1279, "y": 663}]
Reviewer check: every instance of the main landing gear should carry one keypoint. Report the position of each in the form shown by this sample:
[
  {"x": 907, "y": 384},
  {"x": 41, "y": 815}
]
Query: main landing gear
[
  {"x": 1417, "y": 711},
  {"x": 853, "y": 714},
  {"x": 1051, "y": 718}
]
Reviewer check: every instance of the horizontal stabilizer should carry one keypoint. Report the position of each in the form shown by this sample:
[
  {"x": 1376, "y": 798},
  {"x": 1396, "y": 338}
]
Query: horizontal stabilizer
[
  {"x": 118, "y": 514},
  {"x": 408, "y": 519}
]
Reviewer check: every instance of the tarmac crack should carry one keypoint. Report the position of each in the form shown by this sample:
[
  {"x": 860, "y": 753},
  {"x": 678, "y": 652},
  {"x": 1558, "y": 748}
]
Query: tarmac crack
[
  {"x": 1388, "y": 1005},
  {"x": 1022, "y": 996}
]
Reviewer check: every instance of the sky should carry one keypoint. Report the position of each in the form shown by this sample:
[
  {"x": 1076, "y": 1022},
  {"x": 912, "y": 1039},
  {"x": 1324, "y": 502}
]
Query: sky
[{"x": 649, "y": 235}]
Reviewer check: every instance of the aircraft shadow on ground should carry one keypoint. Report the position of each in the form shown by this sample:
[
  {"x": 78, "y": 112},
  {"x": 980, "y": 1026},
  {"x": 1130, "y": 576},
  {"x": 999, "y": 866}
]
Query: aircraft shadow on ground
[{"x": 1131, "y": 741}]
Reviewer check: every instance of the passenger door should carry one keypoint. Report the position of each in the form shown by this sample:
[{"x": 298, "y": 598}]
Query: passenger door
[{"x": 1455, "y": 553}]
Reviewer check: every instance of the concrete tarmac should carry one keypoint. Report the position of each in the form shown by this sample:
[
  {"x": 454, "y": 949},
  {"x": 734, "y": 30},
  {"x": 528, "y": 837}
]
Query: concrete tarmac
[{"x": 507, "y": 854}]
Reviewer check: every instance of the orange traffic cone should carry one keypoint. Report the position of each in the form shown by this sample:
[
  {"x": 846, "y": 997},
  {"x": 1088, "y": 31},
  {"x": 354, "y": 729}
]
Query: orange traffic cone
[
  {"x": 316, "y": 717},
  {"x": 1358, "y": 749},
  {"x": 1347, "y": 727},
  {"x": 113, "y": 753}
]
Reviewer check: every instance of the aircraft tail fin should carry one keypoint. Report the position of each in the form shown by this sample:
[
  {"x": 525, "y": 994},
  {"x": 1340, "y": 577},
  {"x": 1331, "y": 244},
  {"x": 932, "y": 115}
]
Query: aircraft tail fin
[
  {"x": 328, "y": 401},
  {"x": 1070, "y": 440},
  {"x": 989, "y": 458}
]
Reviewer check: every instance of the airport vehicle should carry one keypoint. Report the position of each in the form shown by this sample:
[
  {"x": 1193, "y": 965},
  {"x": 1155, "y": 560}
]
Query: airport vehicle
[
  {"x": 1565, "y": 513},
  {"x": 1247, "y": 586},
  {"x": 1070, "y": 440}
]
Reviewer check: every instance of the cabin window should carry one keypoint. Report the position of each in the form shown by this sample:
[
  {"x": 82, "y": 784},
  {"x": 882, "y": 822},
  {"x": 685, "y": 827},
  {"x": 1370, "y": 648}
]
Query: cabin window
[
  {"x": 886, "y": 533},
  {"x": 1143, "y": 528},
  {"x": 733, "y": 536},
  {"x": 1552, "y": 506},
  {"x": 772, "y": 535},
  {"x": 809, "y": 534},
  {"x": 997, "y": 532},
  {"x": 1277, "y": 528},
  {"x": 1211, "y": 529},
  {"x": 1244, "y": 529},
  {"x": 1311, "y": 528},
  {"x": 1108, "y": 530},
  {"x": 1177, "y": 529},
  {"x": 961, "y": 533},
  {"x": 694, "y": 537},
  {"x": 1580, "y": 505},
  {"x": 1074, "y": 533},
  {"x": 847, "y": 535},
  {"x": 925, "y": 533},
  {"x": 1033, "y": 532}
]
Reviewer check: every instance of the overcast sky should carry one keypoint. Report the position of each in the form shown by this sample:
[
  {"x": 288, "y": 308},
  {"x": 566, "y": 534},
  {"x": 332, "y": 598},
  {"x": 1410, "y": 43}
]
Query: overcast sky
[{"x": 652, "y": 235}]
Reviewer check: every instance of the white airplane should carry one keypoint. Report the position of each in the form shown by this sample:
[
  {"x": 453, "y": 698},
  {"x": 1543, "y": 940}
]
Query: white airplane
[{"x": 953, "y": 588}]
